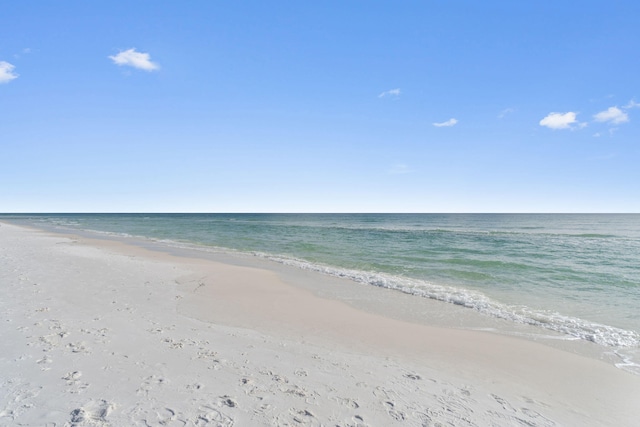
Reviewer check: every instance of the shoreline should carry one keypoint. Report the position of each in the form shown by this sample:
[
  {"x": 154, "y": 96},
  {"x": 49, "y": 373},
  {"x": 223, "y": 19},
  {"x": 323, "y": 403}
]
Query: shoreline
[
  {"x": 264, "y": 320},
  {"x": 557, "y": 318},
  {"x": 406, "y": 306}
]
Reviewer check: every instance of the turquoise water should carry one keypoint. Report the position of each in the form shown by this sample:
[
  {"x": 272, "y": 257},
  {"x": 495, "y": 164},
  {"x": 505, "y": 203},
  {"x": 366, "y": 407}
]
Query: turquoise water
[{"x": 575, "y": 274}]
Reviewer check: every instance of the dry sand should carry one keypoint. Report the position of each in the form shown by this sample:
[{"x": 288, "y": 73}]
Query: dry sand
[{"x": 98, "y": 333}]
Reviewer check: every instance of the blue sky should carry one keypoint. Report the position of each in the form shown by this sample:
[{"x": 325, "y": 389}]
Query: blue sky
[{"x": 335, "y": 106}]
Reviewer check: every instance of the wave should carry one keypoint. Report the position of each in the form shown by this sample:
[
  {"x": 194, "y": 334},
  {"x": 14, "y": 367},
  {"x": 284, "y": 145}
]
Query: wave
[
  {"x": 579, "y": 328},
  {"x": 575, "y": 327}
]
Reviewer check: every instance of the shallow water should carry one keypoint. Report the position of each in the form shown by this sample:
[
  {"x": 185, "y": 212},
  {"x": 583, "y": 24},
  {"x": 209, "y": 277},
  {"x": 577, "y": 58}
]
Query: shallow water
[{"x": 577, "y": 274}]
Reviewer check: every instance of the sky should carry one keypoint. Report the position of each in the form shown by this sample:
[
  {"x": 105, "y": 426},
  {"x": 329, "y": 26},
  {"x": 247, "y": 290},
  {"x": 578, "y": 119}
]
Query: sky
[{"x": 332, "y": 106}]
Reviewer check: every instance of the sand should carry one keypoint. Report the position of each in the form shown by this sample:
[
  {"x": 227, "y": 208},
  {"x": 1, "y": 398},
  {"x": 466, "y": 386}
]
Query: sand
[{"x": 104, "y": 333}]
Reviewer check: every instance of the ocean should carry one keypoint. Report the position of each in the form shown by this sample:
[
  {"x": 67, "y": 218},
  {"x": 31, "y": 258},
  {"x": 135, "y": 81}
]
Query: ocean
[{"x": 575, "y": 274}]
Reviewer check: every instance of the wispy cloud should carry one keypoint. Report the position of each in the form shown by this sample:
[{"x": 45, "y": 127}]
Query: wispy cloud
[
  {"x": 6, "y": 72},
  {"x": 561, "y": 121},
  {"x": 448, "y": 123},
  {"x": 505, "y": 112},
  {"x": 135, "y": 59},
  {"x": 631, "y": 104},
  {"x": 612, "y": 115},
  {"x": 25, "y": 51},
  {"x": 392, "y": 92},
  {"x": 610, "y": 132},
  {"x": 400, "y": 169}
]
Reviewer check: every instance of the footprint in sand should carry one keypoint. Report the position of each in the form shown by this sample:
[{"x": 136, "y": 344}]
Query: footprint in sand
[
  {"x": 18, "y": 400},
  {"x": 149, "y": 384},
  {"x": 91, "y": 413},
  {"x": 345, "y": 401},
  {"x": 73, "y": 380},
  {"x": 46, "y": 360},
  {"x": 78, "y": 347},
  {"x": 72, "y": 377},
  {"x": 412, "y": 376},
  {"x": 211, "y": 416},
  {"x": 539, "y": 418},
  {"x": 165, "y": 416},
  {"x": 505, "y": 405},
  {"x": 194, "y": 387},
  {"x": 393, "y": 412},
  {"x": 229, "y": 401},
  {"x": 296, "y": 417},
  {"x": 358, "y": 421}
]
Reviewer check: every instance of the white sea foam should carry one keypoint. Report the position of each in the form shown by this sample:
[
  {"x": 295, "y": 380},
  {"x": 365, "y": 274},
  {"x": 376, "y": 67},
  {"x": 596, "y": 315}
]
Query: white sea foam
[
  {"x": 571, "y": 326},
  {"x": 627, "y": 363}
]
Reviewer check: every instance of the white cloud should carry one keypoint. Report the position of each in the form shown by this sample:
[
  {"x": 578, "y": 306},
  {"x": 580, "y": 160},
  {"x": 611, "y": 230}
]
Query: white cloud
[
  {"x": 611, "y": 132},
  {"x": 392, "y": 92},
  {"x": 135, "y": 59},
  {"x": 25, "y": 51},
  {"x": 612, "y": 115},
  {"x": 448, "y": 123},
  {"x": 631, "y": 104},
  {"x": 560, "y": 120},
  {"x": 6, "y": 72},
  {"x": 505, "y": 112}
]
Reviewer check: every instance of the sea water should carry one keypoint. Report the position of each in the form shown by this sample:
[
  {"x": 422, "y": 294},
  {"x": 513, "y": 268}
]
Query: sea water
[{"x": 575, "y": 274}]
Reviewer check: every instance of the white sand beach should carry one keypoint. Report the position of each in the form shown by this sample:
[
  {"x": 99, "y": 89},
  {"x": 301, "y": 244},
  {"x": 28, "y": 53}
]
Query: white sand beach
[{"x": 104, "y": 333}]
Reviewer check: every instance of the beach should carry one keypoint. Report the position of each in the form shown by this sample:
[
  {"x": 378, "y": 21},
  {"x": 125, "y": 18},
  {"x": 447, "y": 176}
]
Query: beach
[{"x": 101, "y": 332}]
